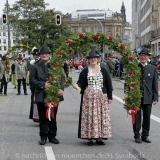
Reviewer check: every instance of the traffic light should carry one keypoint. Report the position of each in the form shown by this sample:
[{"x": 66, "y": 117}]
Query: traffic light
[
  {"x": 4, "y": 18},
  {"x": 58, "y": 19}
]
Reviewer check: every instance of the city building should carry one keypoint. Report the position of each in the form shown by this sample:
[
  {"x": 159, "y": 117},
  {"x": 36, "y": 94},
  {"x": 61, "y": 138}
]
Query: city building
[
  {"x": 94, "y": 20},
  {"x": 155, "y": 27},
  {"x": 4, "y": 38},
  {"x": 136, "y": 21}
]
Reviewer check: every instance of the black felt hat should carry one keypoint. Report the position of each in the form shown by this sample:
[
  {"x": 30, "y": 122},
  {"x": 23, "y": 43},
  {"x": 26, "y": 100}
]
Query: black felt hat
[
  {"x": 93, "y": 54},
  {"x": 144, "y": 51},
  {"x": 44, "y": 49},
  {"x": 4, "y": 58}
]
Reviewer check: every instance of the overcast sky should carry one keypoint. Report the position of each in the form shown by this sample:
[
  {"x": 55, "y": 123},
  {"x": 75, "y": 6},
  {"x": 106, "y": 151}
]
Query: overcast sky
[{"x": 72, "y": 5}]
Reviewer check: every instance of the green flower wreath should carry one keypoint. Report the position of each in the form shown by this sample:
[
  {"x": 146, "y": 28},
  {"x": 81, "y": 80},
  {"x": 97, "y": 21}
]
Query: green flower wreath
[
  {"x": 86, "y": 40},
  {"x": 12, "y": 49}
]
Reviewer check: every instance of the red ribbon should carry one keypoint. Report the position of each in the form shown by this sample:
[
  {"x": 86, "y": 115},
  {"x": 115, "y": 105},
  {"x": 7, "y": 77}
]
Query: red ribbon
[
  {"x": 50, "y": 110},
  {"x": 133, "y": 112}
]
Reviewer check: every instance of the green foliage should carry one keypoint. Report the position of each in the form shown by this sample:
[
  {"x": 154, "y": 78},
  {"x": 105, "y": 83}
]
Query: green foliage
[
  {"x": 36, "y": 25},
  {"x": 83, "y": 44}
]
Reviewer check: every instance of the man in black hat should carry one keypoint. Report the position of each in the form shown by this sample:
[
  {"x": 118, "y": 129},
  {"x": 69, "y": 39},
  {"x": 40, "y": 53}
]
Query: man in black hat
[
  {"x": 3, "y": 78},
  {"x": 149, "y": 89},
  {"x": 38, "y": 79}
]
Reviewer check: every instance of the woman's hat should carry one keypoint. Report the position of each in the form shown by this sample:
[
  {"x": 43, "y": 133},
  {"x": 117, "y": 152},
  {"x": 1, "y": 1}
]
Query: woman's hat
[
  {"x": 44, "y": 49},
  {"x": 144, "y": 51},
  {"x": 93, "y": 54}
]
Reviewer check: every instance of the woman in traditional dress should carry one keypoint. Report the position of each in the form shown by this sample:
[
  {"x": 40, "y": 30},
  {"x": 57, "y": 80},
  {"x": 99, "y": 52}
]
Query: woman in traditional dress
[{"x": 96, "y": 93}]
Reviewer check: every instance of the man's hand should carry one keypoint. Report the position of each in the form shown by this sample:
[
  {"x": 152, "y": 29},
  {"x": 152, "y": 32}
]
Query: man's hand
[
  {"x": 109, "y": 101},
  {"x": 154, "y": 102},
  {"x": 47, "y": 85},
  {"x": 60, "y": 92},
  {"x": 125, "y": 96}
]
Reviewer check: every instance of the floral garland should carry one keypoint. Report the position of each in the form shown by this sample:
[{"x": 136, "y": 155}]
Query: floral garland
[
  {"x": 12, "y": 49},
  {"x": 132, "y": 83}
]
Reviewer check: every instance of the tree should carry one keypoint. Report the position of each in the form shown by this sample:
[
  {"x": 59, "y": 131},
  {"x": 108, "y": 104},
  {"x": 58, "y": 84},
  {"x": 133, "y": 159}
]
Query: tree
[{"x": 35, "y": 25}]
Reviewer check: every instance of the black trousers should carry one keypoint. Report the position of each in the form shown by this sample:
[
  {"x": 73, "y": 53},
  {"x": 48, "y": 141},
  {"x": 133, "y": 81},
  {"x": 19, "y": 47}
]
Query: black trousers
[
  {"x": 24, "y": 85},
  {"x": 3, "y": 84},
  {"x": 146, "y": 109},
  {"x": 47, "y": 128}
]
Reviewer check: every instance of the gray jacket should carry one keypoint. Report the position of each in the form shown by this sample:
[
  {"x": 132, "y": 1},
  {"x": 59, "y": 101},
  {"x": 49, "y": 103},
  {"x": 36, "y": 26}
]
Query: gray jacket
[{"x": 21, "y": 70}]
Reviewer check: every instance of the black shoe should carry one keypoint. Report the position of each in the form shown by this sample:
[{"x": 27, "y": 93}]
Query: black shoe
[
  {"x": 42, "y": 141},
  {"x": 90, "y": 143},
  {"x": 15, "y": 87},
  {"x": 18, "y": 94},
  {"x": 53, "y": 140},
  {"x": 25, "y": 94},
  {"x": 147, "y": 140},
  {"x": 5, "y": 94},
  {"x": 138, "y": 140},
  {"x": 100, "y": 142}
]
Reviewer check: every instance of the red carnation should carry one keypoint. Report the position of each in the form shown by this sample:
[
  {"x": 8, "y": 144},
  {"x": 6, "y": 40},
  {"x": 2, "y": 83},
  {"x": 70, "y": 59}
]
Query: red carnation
[
  {"x": 55, "y": 65},
  {"x": 132, "y": 85},
  {"x": 130, "y": 73},
  {"x": 96, "y": 37},
  {"x": 60, "y": 53},
  {"x": 130, "y": 58},
  {"x": 53, "y": 79},
  {"x": 69, "y": 42},
  {"x": 122, "y": 46},
  {"x": 81, "y": 35},
  {"x": 110, "y": 38}
]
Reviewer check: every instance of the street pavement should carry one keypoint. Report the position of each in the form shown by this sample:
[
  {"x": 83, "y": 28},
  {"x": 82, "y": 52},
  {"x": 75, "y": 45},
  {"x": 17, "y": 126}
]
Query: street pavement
[{"x": 19, "y": 135}]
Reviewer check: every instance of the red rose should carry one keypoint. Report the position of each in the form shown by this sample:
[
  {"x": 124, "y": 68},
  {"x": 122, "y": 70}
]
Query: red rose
[
  {"x": 131, "y": 73},
  {"x": 69, "y": 42},
  {"x": 55, "y": 65},
  {"x": 53, "y": 79},
  {"x": 122, "y": 46}
]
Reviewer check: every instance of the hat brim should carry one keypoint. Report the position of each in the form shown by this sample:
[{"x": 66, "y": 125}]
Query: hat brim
[
  {"x": 44, "y": 52},
  {"x": 92, "y": 57},
  {"x": 145, "y": 53}
]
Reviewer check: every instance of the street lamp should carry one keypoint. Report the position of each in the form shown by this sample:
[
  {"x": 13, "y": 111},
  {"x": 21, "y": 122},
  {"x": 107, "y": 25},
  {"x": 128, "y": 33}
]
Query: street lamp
[{"x": 102, "y": 32}]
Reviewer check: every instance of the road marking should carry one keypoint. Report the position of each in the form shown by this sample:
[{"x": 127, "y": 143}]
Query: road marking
[
  {"x": 155, "y": 118},
  {"x": 49, "y": 153}
]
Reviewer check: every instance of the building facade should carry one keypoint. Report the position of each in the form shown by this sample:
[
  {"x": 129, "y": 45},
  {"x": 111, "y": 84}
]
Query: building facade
[
  {"x": 4, "y": 38},
  {"x": 105, "y": 21},
  {"x": 155, "y": 27},
  {"x": 136, "y": 31}
]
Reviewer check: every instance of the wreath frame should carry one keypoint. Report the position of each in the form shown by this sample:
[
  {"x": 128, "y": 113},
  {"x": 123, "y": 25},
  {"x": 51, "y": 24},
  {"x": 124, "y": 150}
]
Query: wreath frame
[
  {"x": 12, "y": 49},
  {"x": 132, "y": 82}
]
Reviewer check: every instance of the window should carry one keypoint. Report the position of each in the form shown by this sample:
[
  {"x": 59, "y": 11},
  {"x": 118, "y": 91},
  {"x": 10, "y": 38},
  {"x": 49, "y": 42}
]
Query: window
[
  {"x": 5, "y": 48},
  {"x": 117, "y": 29},
  {"x": 75, "y": 29},
  {"x": 0, "y": 33},
  {"x": 14, "y": 41},
  {"x": 23, "y": 55},
  {"x": 92, "y": 29},
  {"x": 109, "y": 28},
  {"x": 4, "y": 41},
  {"x": 83, "y": 29},
  {"x": 100, "y": 29},
  {"x": 0, "y": 48},
  {"x": 4, "y": 33},
  {"x": 13, "y": 34},
  {"x": 0, "y": 40}
]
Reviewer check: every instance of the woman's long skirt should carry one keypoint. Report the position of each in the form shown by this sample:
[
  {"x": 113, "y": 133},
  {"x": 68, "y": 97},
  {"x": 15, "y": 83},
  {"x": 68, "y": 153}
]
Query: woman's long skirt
[{"x": 95, "y": 119}]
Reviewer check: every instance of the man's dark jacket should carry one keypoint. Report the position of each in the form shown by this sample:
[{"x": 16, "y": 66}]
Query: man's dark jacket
[{"x": 38, "y": 77}]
